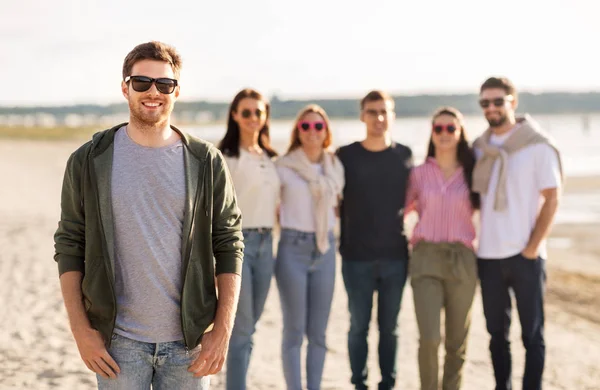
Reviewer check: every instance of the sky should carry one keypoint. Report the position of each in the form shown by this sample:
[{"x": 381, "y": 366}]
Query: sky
[{"x": 64, "y": 52}]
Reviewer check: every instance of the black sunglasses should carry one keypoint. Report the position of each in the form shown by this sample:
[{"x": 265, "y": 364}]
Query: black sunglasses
[
  {"x": 142, "y": 84},
  {"x": 438, "y": 129},
  {"x": 246, "y": 113},
  {"x": 498, "y": 102}
]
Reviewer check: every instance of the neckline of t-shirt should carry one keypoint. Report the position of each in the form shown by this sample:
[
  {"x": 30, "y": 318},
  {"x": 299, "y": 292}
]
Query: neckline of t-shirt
[
  {"x": 392, "y": 145},
  {"x": 131, "y": 142},
  {"x": 256, "y": 156},
  {"x": 501, "y": 139}
]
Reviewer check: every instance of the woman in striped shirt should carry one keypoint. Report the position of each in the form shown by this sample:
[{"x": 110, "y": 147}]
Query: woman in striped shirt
[{"x": 443, "y": 265}]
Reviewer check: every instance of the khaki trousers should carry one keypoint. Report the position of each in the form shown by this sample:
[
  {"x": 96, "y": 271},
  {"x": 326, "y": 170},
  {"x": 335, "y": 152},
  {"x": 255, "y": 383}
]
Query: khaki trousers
[{"x": 443, "y": 276}]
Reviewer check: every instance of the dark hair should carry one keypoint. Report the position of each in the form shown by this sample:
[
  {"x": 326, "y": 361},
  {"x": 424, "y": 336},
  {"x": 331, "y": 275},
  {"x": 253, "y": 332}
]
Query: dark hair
[
  {"x": 295, "y": 138},
  {"x": 500, "y": 83},
  {"x": 375, "y": 96},
  {"x": 464, "y": 153},
  {"x": 230, "y": 144},
  {"x": 154, "y": 50}
]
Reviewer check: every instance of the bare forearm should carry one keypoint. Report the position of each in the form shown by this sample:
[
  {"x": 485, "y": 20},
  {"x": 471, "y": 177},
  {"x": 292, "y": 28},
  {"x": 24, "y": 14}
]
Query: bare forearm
[
  {"x": 543, "y": 223},
  {"x": 229, "y": 291},
  {"x": 70, "y": 284}
]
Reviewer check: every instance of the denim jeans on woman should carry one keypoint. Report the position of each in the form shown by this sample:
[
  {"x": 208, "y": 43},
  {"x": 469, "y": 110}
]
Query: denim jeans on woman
[
  {"x": 257, "y": 270},
  {"x": 305, "y": 279},
  {"x": 162, "y": 365}
]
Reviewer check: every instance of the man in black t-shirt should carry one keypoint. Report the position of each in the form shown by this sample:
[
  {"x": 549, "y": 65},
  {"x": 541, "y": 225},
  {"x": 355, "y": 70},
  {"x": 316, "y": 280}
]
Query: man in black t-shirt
[{"x": 373, "y": 245}]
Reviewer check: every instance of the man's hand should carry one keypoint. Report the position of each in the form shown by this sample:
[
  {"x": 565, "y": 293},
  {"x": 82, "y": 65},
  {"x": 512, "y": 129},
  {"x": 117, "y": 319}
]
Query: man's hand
[
  {"x": 94, "y": 354},
  {"x": 530, "y": 254},
  {"x": 89, "y": 340},
  {"x": 215, "y": 343},
  {"x": 212, "y": 354},
  {"x": 542, "y": 223}
]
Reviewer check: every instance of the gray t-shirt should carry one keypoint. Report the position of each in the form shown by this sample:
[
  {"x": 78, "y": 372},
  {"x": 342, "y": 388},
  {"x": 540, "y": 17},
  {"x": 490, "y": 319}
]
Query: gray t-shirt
[{"x": 148, "y": 199}]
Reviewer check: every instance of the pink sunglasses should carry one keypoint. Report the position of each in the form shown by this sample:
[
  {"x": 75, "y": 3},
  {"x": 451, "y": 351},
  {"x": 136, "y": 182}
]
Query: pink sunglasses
[{"x": 307, "y": 125}]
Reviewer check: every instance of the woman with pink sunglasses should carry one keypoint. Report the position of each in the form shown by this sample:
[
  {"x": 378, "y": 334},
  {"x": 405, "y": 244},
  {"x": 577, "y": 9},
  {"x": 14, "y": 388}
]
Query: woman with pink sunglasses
[
  {"x": 312, "y": 178},
  {"x": 443, "y": 265}
]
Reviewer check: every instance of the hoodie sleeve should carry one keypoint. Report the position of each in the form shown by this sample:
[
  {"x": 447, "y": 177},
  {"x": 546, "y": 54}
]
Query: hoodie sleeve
[
  {"x": 227, "y": 236},
  {"x": 69, "y": 238}
]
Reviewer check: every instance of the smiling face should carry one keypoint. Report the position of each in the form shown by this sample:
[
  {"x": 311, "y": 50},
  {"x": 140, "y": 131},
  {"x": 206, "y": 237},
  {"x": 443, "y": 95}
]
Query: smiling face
[
  {"x": 498, "y": 107},
  {"x": 446, "y": 132},
  {"x": 314, "y": 131},
  {"x": 150, "y": 108},
  {"x": 250, "y": 115},
  {"x": 377, "y": 115}
]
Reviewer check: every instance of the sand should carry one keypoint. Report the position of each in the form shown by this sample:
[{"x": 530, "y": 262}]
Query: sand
[{"x": 37, "y": 350}]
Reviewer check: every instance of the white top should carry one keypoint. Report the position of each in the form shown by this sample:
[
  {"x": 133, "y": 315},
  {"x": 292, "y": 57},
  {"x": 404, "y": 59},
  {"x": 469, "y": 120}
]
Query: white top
[
  {"x": 297, "y": 205},
  {"x": 530, "y": 170},
  {"x": 257, "y": 188}
]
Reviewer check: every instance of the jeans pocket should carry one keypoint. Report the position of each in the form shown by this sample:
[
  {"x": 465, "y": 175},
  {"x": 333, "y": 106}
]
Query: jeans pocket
[
  {"x": 529, "y": 259},
  {"x": 414, "y": 268}
]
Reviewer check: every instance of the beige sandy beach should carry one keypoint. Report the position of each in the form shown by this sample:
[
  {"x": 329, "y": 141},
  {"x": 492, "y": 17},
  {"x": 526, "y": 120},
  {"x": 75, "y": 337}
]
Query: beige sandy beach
[{"x": 37, "y": 350}]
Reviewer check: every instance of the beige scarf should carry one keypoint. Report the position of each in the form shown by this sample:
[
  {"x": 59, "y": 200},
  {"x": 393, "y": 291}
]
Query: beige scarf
[
  {"x": 528, "y": 133},
  {"x": 324, "y": 188}
]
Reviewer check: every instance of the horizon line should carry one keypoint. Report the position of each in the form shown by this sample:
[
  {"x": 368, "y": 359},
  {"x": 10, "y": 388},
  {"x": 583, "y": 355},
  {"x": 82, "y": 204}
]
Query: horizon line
[{"x": 285, "y": 98}]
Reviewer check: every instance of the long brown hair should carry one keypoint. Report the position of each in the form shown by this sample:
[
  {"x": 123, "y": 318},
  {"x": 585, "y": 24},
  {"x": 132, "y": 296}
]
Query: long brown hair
[
  {"x": 295, "y": 138},
  {"x": 230, "y": 144},
  {"x": 464, "y": 153}
]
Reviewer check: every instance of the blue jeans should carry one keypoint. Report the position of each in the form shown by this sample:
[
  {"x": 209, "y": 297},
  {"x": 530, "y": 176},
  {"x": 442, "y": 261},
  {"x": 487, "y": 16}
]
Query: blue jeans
[
  {"x": 362, "y": 279},
  {"x": 527, "y": 279},
  {"x": 162, "y": 365},
  {"x": 257, "y": 270},
  {"x": 305, "y": 279}
]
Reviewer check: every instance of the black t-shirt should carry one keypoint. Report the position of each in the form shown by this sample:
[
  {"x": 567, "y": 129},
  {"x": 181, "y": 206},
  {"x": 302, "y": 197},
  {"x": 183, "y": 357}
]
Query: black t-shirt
[{"x": 372, "y": 208}]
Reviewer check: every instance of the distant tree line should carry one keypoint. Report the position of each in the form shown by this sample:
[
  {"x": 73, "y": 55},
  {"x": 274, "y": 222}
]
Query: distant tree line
[{"x": 416, "y": 105}]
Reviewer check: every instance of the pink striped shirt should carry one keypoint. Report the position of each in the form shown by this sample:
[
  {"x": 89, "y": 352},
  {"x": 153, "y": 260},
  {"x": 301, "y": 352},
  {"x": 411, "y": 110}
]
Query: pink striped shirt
[{"x": 444, "y": 207}]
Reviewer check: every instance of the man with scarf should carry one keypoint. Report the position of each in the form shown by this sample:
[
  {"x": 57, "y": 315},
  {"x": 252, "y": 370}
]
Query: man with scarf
[{"x": 519, "y": 176}]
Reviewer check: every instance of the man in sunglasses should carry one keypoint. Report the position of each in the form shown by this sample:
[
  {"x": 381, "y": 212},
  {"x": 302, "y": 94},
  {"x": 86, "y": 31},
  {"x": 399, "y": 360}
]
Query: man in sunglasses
[
  {"x": 149, "y": 222},
  {"x": 373, "y": 246},
  {"x": 519, "y": 175}
]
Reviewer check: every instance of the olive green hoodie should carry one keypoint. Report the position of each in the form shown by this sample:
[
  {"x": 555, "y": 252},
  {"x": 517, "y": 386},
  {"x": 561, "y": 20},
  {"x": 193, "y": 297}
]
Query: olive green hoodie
[{"x": 212, "y": 238}]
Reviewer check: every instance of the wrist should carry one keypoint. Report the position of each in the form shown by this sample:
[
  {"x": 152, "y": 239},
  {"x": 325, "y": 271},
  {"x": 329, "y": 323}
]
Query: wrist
[
  {"x": 81, "y": 329},
  {"x": 222, "y": 328}
]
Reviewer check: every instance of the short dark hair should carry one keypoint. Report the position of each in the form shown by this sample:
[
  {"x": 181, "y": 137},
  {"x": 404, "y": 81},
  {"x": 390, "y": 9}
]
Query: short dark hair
[
  {"x": 154, "y": 50},
  {"x": 500, "y": 83},
  {"x": 375, "y": 96}
]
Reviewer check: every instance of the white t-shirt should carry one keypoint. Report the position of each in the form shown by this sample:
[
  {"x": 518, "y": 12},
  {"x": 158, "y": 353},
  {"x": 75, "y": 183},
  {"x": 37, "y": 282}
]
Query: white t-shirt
[
  {"x": 297, "y": 205},
  {"x": 257, "y": 188},
  {"x": 530, "y": 170}
]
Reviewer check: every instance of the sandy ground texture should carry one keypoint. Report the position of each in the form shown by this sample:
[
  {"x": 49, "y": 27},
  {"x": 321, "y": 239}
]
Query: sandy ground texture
[{"x": 37, "y": 350}]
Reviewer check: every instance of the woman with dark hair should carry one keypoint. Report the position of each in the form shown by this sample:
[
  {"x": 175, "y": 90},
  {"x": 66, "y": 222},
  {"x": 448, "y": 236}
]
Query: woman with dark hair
[
  {"x": 249, "y": 156},
  {"x": 312, "y": 178},
  {"x": 443, "y": 265}
]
